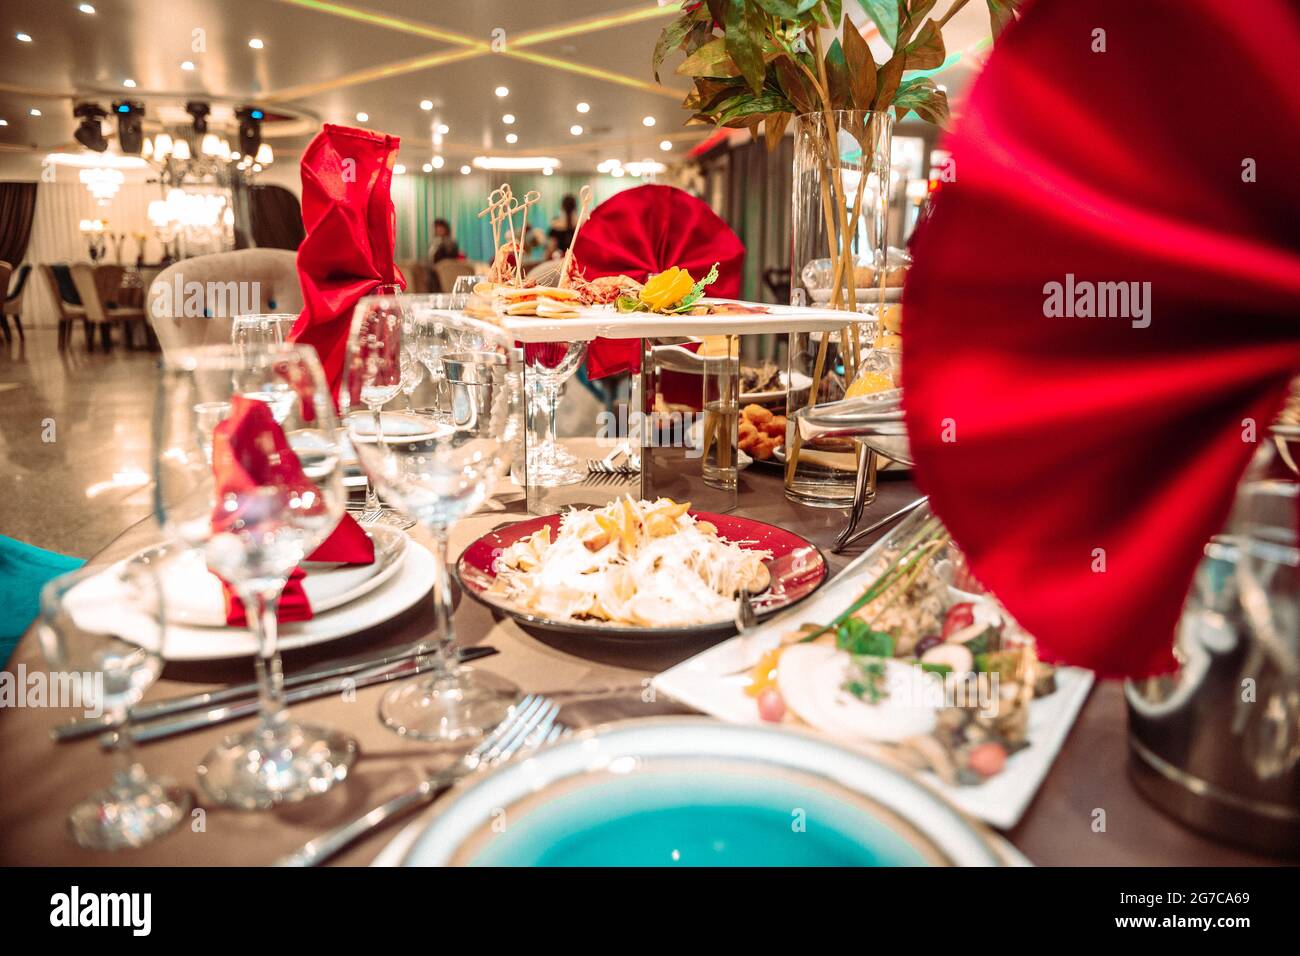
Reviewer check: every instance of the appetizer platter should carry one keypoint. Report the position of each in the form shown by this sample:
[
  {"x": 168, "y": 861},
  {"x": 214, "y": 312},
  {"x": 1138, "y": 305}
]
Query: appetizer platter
[
  {"x": 575, "y": 309},
  {"x": 639, "y": 570},
  {"x": 903, "y": 654}
]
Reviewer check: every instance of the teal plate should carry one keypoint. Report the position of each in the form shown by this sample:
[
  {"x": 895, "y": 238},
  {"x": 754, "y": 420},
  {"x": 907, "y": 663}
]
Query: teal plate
[{"x": 685, "y": 791}]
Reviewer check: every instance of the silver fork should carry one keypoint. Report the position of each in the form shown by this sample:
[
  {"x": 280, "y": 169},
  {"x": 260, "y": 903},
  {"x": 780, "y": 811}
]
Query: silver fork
[{"x": 530, "y": 725}]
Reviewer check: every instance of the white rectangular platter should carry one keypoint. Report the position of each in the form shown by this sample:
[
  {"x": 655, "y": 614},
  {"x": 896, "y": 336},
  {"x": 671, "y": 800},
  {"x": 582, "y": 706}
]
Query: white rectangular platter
[
  {"x": 709, "y": 682},
  {"x": 604, "y": 322}
]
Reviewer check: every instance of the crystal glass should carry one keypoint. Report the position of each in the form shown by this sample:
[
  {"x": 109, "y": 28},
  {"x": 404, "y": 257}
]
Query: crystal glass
[
  {"x": 546, "y": 367},
  {"x": 413, "y": 372},
  {"x": 271, "y": 493},
  {"x": 82, "y": 615},
  {"x": 438, "y": 470},
  {"x": 383, "y": 327}
]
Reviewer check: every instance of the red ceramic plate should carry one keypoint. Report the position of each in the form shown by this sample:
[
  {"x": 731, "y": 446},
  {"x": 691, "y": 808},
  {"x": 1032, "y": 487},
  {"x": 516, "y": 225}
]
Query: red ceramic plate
[{"x": 797, "y": 568}]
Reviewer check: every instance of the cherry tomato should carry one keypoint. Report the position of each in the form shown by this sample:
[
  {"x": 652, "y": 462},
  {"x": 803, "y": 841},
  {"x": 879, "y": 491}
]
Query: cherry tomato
[
  {"x": 959, "y": 616},
  {"x": 771, "y": 706}
]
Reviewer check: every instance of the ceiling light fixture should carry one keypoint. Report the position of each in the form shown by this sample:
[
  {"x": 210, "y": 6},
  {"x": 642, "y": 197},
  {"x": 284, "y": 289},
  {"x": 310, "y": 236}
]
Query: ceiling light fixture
[
  {"x": 427, "y": 167},
  {"x": 4, "y": 122},
  {"x": 399, "y": 170},
  {"x": 443, "y": 129},
  {"x": 508, "y": 119},
  {"x": 502, "y": 91},
  {"x": 129, "y": 84},
  {"x": 518, "y": 163},
  {"x": 130, "y": 125},
  {"x": 512, "y": 138},
  {"x": 575, "y": 129},
  {"x": 648, "y": 121},
  {"x": 363, "y": 117},
  {"x": 665, "y": 144},
  {"x": 549, "y": 170},
  {"x": 465, "y": 170},
  {"x": 256, "y": 43},
  {"x": 33, "y": 112},
  {"x": 23, "y": 37},
  {"x": 85, "y": 8},
  {"x": 584, "y": 107},
  {"x": 187, "y": 66},
  {"x": 426, "y": 105},
  {"x": 438, "y": 162},
  {"x": 90, "y": 131}
]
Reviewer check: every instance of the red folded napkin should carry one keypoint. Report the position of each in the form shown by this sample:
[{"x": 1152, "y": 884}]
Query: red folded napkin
[
  {"x": 250, "y": 451},
  {"x": 348, "y": 252},
  {"x": 645, "y": 230},
  {"x": 1082, "y": 463}
]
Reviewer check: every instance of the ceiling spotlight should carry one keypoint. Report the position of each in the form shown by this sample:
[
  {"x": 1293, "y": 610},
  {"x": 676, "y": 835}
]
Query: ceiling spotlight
[
  {"x": 33, "y": 112},
  {"x": 188, "y": 65},
  {"x": 256, "y": 43},
  {"x": 508, "y": 119},
  {"x": 23, "y": 37},
  {"x": 363, "y": 117},
  {"x": 90, "y": 131},
  {"x": 427, "y": 167},
  {"x": 575, "y": 129},
  {"x": 438, "y": 162},
  {"x": 129, "y": 84},
  {"x": 4, "y": 122},
  {"x": 399, "y": 170},
  {"x": 199, "y": 113},
  {"x": 250, "y": 129},
  {"x": 512, "y": 138},
  {"x": 85, "y": 8},
  {"x": 426, "y": 105},
  {"x": 584, "y": 107},
  {"x": 549, "y": 170},
  {"x": 443, "y": 129},
  {"x": 502, "y": 91},
  {"x": 130, "y": 125},
  {"x": 465, "y": 170},
  {"x": 665, "y": 144},
  {"x": 617, "y": 172},
  {"x": 648, "y": 121}
]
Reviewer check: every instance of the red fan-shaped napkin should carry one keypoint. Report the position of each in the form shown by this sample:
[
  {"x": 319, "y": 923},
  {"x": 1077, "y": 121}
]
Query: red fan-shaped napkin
[
  {"x": 249, "y": 450},
  {"x": 348, "y": 213},
  {"x": 645, "y": 230},
  {"x": 1080, "y": 461}
]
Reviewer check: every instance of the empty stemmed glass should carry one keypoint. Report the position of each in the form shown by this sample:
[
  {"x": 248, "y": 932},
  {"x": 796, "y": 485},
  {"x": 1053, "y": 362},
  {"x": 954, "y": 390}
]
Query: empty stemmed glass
[
  {"x": 271, "y": 492},
  {"x": 261, "y": 329},
  {"x": 436, "y": 471},
  {"x": 82, "y": 615},
  {"x": 383, "y": 331},
  {"x": 548, "y": 364}
]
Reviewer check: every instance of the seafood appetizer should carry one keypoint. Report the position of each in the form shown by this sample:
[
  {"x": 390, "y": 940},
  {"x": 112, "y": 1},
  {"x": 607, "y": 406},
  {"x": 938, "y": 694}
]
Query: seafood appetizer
[{"x": 633, "y": 563}]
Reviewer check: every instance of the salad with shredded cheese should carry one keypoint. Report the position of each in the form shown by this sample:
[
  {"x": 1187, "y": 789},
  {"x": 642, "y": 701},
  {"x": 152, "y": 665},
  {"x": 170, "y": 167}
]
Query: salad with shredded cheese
[{"x": 631, "y": 563}]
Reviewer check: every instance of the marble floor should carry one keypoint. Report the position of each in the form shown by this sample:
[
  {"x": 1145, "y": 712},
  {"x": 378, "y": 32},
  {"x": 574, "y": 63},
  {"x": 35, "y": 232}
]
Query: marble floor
[{"x": 74, "y": 442}]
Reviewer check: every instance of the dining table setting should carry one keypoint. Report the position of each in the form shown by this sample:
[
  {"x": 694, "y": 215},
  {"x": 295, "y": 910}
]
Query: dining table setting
[{"x": 994, "y": 586}]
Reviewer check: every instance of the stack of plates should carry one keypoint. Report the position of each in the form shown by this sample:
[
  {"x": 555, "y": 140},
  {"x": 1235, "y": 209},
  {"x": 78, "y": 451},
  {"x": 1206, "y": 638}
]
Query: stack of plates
[{"x": 344, "y": 599}]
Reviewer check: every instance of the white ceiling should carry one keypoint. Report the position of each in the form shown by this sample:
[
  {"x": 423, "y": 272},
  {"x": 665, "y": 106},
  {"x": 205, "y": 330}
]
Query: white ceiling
[{"x": 328, "y": 66}]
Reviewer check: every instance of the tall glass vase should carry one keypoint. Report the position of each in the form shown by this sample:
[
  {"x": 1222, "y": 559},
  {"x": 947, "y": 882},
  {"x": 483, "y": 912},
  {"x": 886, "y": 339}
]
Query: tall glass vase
[{"x": 838, "y": 261}]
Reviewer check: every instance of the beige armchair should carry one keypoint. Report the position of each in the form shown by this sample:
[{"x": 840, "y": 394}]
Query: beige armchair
[{"x": 192, "y": 302}]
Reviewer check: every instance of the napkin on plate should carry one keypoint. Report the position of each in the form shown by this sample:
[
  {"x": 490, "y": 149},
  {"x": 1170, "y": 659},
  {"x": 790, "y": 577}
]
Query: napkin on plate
[
  {"x": 645, "y": 230},
  {"x": 250, "y": 450},
  {"x": 1082, "y": 462},
  {"x": 348, "y": 212}
]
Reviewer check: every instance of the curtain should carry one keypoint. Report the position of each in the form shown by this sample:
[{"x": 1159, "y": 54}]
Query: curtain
[
  {"x": 17, "y": 205},
  {"x": 56, "y": 234},
  {"x": 420, "y": 199},
  {"x": 275, "y": 218}
]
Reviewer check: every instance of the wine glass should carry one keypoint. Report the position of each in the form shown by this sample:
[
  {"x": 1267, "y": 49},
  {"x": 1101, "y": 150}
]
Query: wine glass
[
  {"x": 437, "y": 471},
  {"x": 262, "y": 329},
  {"x": 413, "y": 372},
  {"x": 270, "y": 495},
  {"x": 383, "y": 329},
  {"x": 83, "y": 615},
  {"x": 548, "y": 364}
]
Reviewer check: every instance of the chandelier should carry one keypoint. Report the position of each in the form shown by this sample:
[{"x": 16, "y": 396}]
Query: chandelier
[
  {"x": 101, "y": 173},
  {"x": 199, "y": 218}
]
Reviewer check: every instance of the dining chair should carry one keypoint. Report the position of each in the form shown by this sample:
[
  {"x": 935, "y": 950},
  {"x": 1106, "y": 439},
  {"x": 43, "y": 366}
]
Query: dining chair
[
  {"x": 66, "y": 300},
  {"x": 192, "y": 301},
  {"x": 101, "y": 310},
  {"x": 13, "y": 304},
  {"x": 447, "y": 271}
]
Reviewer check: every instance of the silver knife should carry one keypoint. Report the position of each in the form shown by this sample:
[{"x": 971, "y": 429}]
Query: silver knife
[
  {"x": 155, "y": 709},
  {"x": 161, "y": 728}
]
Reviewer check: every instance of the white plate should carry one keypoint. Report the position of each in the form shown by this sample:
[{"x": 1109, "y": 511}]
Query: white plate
[
  {"x": 619, "y": 752},
  {"x": 410, "y": 584},
  {"x": 714, "y": 682},
  {"x": 194, "y": 596}
]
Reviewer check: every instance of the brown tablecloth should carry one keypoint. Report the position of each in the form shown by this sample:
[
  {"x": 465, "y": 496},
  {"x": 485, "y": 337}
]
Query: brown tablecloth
[{"x": 42, "y": 780}]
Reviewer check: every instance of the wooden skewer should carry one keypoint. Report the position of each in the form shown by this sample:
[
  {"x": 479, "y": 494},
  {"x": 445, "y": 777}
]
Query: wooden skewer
[
  {"x": 511, "y": 208},
  {"x": 585, "y": 195},
  {"x": 531, "y": 198},
  {"x": 494, "y": 200}
]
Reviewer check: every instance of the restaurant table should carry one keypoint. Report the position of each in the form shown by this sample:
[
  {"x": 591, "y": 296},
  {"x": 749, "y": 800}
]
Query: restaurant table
[{"x": 41, "y": 780}]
